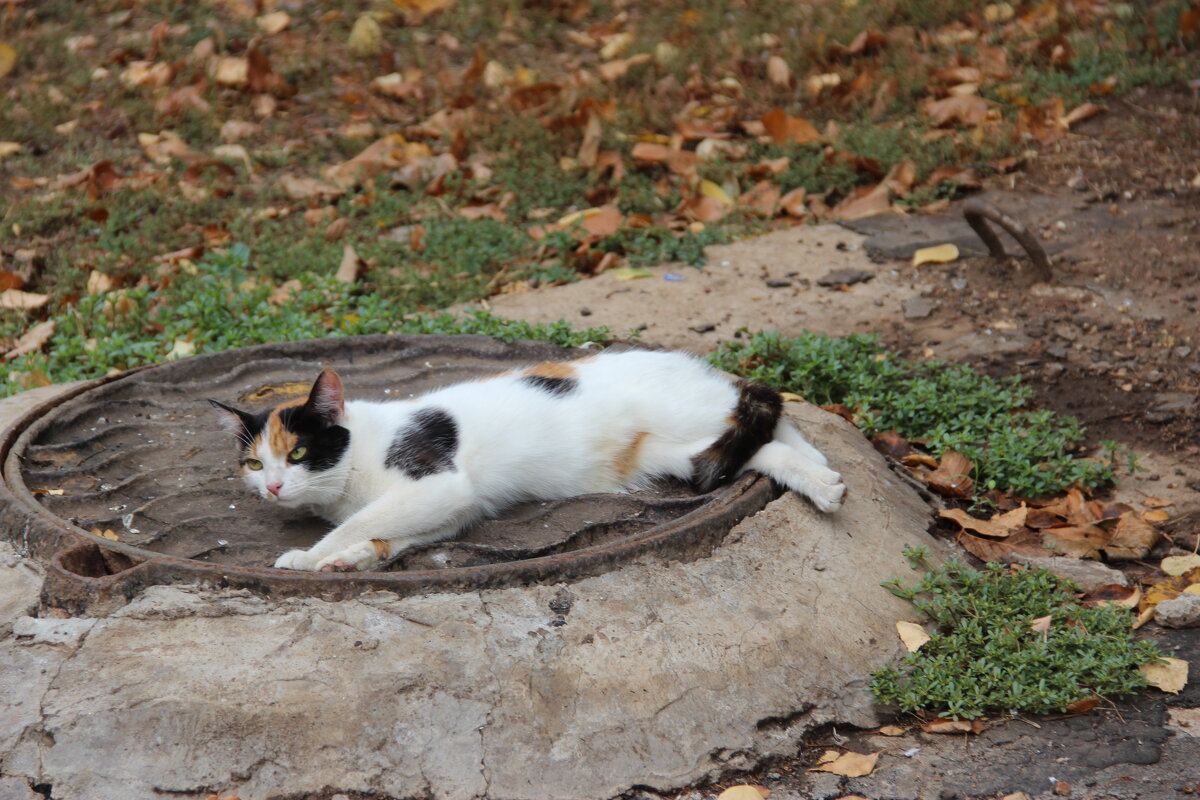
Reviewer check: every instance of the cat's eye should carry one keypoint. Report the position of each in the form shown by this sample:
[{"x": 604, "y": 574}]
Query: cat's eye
[
  {"x": 253, "y": 464},
  {"x": 297, "y": 454}
]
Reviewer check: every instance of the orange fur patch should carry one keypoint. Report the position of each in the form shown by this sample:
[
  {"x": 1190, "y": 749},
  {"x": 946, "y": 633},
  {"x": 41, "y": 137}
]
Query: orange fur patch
[
  {"x": 627, "y": 459},
  {"x": 552, "y": 369},
  {"x": 382, "y": 548},
  {"x": 280, "y": 439}
]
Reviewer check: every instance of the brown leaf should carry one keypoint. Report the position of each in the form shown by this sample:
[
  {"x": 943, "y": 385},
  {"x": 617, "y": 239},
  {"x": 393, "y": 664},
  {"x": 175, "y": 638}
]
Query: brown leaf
[
  {"x": 964, "y": 176},
  {"x": 98, "y": 282},
  {"x": 793, "y": 203},
  {"x": 703, "y": 209},
  {"x": 1155, "y": 502},
  {"x": 850, "y": 764},
  {"x": 1131, "y": 538},
  {"x": 977, "y": 526},
  {"x": 1167, "y": 674},
  {"x": 1082, "y": 112},
  {"x": 865, "y": 201},
  {"x": 784, "y": 129},
  {"x": 957, "y": 109},
  {"x": 1024, "y": 543},
  {"x": 387, "y": 153},
  {"x": 1083, "y": 706},
  {"x": 952, "y": 478},
  {"x": 1041, "y": 625},
  {"x": 1076, "y": 541},
  {"x": 612, "y": 71},
  {"x": 299, "y": 188},
  {"x": 351, "y": 265},
  {"x": 762, "y": 198},
  {"x": 185, "y": 98},
  {"x": 778, "y": 72},
  {"x": 943, "y": 725},
  {"x": 892, "y": 445},
  {"x": 33, "y": 340},
  {"x": 1045, "y": 123},
  {"x": 8, "y": 58},
  {"x": 900, "y": 178},
  {"x": 17, "y": 300},
  {"x": 1112, "y": 594}
]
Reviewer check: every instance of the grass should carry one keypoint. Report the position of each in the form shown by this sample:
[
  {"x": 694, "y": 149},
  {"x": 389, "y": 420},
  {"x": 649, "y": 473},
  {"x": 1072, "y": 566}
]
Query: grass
[
  {"x": 220, "y": 303},
  {"x": 986, "y": 657},
  {"x": 1029, "y": 452}
]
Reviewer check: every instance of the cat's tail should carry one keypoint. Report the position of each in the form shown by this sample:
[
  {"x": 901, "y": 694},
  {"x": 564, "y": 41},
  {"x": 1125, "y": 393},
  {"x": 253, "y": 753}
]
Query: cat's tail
[{"x": 752, "y": 425}]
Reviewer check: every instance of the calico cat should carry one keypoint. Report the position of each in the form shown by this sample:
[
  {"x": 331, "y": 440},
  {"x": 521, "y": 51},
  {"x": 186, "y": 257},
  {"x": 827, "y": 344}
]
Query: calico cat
[{"x": 398, "y": 474}]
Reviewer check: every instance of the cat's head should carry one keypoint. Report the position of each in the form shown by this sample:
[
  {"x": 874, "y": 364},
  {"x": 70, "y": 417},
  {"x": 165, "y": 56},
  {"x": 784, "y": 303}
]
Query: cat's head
[{"x": 294, "y": 454}]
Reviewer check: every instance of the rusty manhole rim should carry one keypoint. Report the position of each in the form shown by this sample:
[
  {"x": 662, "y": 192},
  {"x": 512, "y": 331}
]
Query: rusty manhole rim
[{"x": 37, "y": 532}]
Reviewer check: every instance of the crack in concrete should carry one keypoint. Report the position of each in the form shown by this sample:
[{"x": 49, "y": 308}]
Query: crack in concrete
[
  {"x": 41, "y": 729},
  {"x": 484, "y": 771}
]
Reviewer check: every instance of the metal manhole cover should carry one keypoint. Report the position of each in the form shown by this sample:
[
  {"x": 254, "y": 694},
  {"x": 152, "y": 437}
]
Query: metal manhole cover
[{"x": 130, "y": 482}]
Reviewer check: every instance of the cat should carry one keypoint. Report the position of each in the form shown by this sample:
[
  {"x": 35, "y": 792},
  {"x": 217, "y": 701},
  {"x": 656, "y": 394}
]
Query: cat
[{"x": 398, "y": 474}]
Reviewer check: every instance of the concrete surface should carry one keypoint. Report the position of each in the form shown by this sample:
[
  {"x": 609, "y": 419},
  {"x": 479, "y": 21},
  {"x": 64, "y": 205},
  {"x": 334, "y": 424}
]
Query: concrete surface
[{"x": 664, "y": 673}]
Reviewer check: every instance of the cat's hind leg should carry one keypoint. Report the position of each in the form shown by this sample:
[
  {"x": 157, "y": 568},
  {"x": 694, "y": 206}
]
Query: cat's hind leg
[
  {"x": 786, "y": 432},
  {"x": 792, "y": 467}
]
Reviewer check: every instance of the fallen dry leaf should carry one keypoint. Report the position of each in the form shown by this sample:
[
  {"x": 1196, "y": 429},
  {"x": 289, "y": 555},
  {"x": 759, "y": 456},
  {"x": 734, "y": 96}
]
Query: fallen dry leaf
[
  {"x": 366, "y": 37},
  {"x": 1023, "y": 542},
  {"x": 8, "y": 58},
  {"x": 943, "y": 725},
  {"x": 351, "y": 265},
  {"x": 893, "y": 730},
  {"x": 1131, "y": 538},
  {"x": 865, "y": 201},
  {"x": 631, "y": 273},
  {"x": 961, "y": 109},
  {"x": 778, "y": 72},
  {"x": 1178, "y": 565},
  {"x": 1171, "y": 587},
  {"x": 299, "y": 188},
  {"x": 1083, "y": 706},
  {"x": 1155, "y": 502},
  {"x": 1157, "y": 515},
  {"x": 912, "y": 634},
  {"x": 940, "y": 254},
  {"x": 9, "y": 149},
  {"x": 784, "y": 129},
  {"x": 231, "y": 71},
  {"x": 1168, "y": 674},
  {"x": 850, "y": 765},
  {"x": 977, "y": 526},
  {"x": 98, "y": 282},
  {"x": 33, "y": 340},
  {"x": 1112, "y": 594},
  {"x": 274, "y": 22},
  {"x": 1041, "y": 625},
  {"x": 16, "y": 300},
  {"x": 952, "y": 478},
  {"x": 387, "y": 153},
  {"x": 743, "y": 792}
]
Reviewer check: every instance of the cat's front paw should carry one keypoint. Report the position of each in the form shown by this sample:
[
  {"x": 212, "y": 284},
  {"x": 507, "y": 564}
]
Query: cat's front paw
[
  {"x": 302, "y": 560},
  {"x": 360, "y": 556}
]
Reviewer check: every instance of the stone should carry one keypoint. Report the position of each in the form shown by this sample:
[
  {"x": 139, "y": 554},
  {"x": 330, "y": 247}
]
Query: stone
[
  {"x": 20, "y": 587},
  {"x": 658, "y": 674},
  {"x": 919, "y": 307},
  {"x": 17, "y": 789},
  {"x": 1086, "y": 574},
  {"x": 845, "y": 277},
  {"x": 1174, "y": 401},
  {"x": 1179, "y": 612}
]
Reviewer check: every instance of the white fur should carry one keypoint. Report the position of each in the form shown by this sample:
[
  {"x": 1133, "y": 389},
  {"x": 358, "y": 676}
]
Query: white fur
[{"x": 517, "y": 443}]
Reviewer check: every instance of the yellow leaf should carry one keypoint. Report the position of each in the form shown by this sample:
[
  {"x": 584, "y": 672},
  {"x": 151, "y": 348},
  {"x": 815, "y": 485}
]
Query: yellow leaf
[
  {"x": 912, "y": 634},
  {"x": 366, "y": 37},
  {"x": 1177, "y": 565},
  {"x": 9, "y": 148},
  {"x": 850, "y": 764},
  {"x": 274, "y": 22},
  {"x": 630, "y": 273},
  {"x": 8, "y": 59},
  {"x": 893, "y": 730},
  {"x": 710, "y": 189},
  {"x": 828, "y": 756},
  {"x": 181, "y": 349},
  {"x": 232, "y": 71},
  {"x": 941, "y": 254},
  {"x": 1168, "y": 674},
  {"x": 568, "y": 219},
  {"x": 791, "y": 397},
  {"x": 743, "y": 792},
  {"x": 1156, "y": 516},
  {"x": 1193, "y": 589}
]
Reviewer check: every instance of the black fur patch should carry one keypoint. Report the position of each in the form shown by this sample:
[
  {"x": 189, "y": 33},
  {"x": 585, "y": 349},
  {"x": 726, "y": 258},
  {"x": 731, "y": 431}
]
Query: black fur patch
[
  {"x": 326, "y": 443},
  {"x": 754, "y": 419},
  {"x": 558, "y": 387},
  {"x": 252, "y": 424},
  {"x": 426, "y": 446}
]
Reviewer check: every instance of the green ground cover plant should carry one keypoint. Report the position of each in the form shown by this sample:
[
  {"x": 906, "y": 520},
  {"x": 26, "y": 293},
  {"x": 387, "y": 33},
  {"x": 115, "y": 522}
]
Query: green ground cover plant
[
  {"x": 989, "y": 656},
  {"x": 219, "y": 303},
  {"x": 1030, "y": 452}
]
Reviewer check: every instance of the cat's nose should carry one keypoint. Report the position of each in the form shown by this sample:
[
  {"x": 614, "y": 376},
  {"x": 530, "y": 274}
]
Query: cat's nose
[{"x": 274, "y": 488}]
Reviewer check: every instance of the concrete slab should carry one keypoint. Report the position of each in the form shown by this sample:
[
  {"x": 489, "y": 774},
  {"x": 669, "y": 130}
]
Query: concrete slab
[{"x": 663, "y": 673}]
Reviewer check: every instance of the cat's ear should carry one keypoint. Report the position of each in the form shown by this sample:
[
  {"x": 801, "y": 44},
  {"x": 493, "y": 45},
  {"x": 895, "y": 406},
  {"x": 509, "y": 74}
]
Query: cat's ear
[
  {"x": 326, "y": 401},
  {"x": 240, "y": 423}
]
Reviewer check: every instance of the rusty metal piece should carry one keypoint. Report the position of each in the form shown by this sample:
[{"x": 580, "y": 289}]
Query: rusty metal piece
[
  {"x": 977, "y": 211},
  {"x": 138, "y": 457}
]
